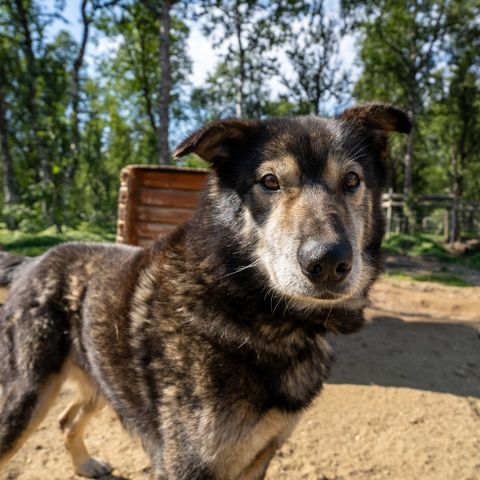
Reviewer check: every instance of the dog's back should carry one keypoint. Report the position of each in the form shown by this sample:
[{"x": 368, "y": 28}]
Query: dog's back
[{"x": 10, "y": 267}]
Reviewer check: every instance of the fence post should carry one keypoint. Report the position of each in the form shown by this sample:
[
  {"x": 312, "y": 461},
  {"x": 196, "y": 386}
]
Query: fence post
[
  {"x": 446, "y": 226},
  {"x": 389, "y": 213}
]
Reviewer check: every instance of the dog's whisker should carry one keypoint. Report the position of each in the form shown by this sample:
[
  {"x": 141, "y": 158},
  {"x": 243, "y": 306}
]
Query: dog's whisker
[{"x": 241, "y": 269}]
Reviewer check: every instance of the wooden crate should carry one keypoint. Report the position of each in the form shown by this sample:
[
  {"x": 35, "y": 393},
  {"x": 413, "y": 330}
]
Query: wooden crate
[{"x": 153, "y": 200}]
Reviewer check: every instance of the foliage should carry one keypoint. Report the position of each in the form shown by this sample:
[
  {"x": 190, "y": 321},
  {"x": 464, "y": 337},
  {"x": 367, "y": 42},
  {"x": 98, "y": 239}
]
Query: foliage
[
  {"x": 317, "y": 77},
  {"x": 21, "y": 243},
  {"x": 415, "y": 245},
  {"x": 248, "y": 32},
  {"x": 70, "y": 120},
  {"x": 436, "y": 277},
  {"x": 427, "y": 245}
]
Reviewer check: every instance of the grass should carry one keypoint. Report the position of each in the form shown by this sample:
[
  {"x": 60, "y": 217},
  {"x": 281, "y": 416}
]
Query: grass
[
  {"x": 427, "y": 245},
  {"x": 32, "y": 244},
  {"x": 415, "y": 245},
  {"x": 436, "y": 277}
]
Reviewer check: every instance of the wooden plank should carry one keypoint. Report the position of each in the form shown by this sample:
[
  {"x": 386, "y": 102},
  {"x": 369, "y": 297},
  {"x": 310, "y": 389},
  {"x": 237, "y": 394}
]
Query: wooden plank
[
  {"x": 153, "y": 199},
  {"x": 140, "y": 167},
  {"x": 121, "y": 228},
  {"x": 155, "y": 214},
  {"x": 153, "y": 230},
  {"x": 122, "y": 212},
  {"x": 127, "y": 207},
  {"x": 123, "y": 194},
  {"x": 392, "y": 195},
  {"x": 178, "y": 181},
  {"x": 168, "y": 198}
]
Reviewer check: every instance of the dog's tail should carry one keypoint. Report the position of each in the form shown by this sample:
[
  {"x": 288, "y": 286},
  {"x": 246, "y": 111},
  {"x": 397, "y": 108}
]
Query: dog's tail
[{"x": 9, "y": 265}]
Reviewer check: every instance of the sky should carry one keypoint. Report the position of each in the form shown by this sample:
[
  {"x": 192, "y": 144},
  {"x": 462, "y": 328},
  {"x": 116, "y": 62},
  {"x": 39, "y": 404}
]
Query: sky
[{"x": 204, "y": 57}]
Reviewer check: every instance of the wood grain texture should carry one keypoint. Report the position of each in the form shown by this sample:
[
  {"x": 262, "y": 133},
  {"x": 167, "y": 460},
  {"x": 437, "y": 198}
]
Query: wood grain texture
[{"x": 152, "y": 200}]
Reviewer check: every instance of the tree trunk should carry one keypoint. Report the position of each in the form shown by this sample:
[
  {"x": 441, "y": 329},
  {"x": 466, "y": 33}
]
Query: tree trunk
[
  {"x": 37, "y": 148},
  {"x": 10, "y": 190},
  {"x": 166, "y": 83},
  {"x": 240, "y": 94},
  {"x": 456, "y": 191},
  {"x": 408, "y": 161},
  {"x": 75, "y": 79}
]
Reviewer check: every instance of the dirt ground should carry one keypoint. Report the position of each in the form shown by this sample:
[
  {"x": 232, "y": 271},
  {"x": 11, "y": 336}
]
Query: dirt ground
[{"x": 403, "y": 402}]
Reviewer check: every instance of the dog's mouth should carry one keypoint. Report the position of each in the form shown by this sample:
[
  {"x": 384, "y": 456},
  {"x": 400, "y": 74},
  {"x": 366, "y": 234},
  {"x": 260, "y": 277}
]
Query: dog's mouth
[
  {"x": 329, "y": 294},
  {"x": 332, "y": 295},
  {"x": 293, "y": 285}
]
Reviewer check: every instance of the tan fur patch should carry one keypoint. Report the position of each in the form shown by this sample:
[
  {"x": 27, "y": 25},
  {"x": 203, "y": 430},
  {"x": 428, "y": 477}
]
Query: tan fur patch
[
  {"x": 239, "y": 455},
  {"x": 74, "y": 419}
]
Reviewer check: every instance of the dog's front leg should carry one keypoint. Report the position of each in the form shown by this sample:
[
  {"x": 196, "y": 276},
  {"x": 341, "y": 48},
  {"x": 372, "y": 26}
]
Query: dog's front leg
[
  {"x": 178, "y": 459},
  {"x": 184, "y": 471},
  {"x": 258, "y": 468}
]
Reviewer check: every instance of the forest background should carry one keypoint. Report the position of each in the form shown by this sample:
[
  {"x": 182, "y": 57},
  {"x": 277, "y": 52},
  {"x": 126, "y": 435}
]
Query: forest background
[{"x": 89, "y": 86}]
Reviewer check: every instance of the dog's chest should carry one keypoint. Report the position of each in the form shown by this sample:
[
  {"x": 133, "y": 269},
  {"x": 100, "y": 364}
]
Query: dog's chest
[{"x": 244, "y": 447}]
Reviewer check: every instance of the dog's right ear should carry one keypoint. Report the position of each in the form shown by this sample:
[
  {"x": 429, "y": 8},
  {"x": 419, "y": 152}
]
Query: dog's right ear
[{"x": 219, "y": 140}]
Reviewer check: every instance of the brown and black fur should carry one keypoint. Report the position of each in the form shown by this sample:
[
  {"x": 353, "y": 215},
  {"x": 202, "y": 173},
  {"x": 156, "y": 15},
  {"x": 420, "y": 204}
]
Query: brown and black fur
[{"x": 209, "y": 343}]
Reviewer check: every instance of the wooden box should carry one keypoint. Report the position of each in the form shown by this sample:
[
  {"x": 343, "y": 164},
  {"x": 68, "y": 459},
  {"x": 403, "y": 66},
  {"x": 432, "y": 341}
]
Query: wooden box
[{"x": 153, "y": 200}]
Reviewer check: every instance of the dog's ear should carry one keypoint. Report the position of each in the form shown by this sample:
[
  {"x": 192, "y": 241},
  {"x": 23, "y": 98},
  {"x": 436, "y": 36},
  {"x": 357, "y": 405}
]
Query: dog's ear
[
  {"x": 377, "y": 121},
  {"x": 378, "y": 117},
  {"x": 219, "y": 140}
]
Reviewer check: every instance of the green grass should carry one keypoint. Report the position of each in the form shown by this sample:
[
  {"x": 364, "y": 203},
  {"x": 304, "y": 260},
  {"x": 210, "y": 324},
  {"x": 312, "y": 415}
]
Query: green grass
[
  {"x": 427, "y": 245},
  {"x": 32, "y": 244},
  {"x": 415, "y": 245},
  {"x": 436, "y": 277}
]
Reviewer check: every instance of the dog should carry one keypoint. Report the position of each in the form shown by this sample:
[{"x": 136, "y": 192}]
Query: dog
[{"x": 210, "y": 343}]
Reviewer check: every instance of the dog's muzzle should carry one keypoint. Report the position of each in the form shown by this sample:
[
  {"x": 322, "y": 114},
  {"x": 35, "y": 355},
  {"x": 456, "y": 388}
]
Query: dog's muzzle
[{"x": 325, "y": 264}]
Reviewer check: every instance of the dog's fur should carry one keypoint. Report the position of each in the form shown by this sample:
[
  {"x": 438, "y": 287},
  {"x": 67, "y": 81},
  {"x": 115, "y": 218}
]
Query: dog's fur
[{"x": 211, "y": 342}]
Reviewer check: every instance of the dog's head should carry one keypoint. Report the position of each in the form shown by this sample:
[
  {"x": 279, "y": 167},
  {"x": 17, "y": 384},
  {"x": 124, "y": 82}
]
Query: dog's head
[{"x": 302, "y": 195}]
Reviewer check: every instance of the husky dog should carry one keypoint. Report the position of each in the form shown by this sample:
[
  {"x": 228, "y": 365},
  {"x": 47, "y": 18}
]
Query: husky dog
[{"x": 210, "y": 343}]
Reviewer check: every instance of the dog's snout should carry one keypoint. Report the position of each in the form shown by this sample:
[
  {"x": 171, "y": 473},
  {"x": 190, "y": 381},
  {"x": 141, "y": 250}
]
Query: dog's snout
[{"x": 322, "y": 262}]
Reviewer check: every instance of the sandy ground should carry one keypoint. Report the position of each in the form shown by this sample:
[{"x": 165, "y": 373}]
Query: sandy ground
[{"x": 403, "y": 402}]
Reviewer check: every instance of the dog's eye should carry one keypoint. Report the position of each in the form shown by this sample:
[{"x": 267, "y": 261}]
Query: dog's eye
[
  {"x": 270, "y": 182},
  {"x": 351, "y": 181}
]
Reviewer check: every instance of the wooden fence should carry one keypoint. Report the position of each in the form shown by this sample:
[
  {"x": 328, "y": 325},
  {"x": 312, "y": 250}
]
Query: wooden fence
[
  {"x": 153, "y": 200},
  {"x": 464, "y": 212}
]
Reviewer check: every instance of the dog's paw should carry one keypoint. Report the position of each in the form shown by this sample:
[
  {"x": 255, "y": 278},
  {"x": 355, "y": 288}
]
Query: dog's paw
[{"x": 93, "y": 468}]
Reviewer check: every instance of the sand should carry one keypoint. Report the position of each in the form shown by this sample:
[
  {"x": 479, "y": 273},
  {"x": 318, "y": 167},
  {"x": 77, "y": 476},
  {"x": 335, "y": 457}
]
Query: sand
[{"x": 403, "y": 402}]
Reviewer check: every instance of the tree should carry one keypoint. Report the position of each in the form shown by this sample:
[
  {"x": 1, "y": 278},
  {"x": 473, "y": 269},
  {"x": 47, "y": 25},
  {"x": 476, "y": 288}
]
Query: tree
[
  {"x": 88, "y": 10},
  {"x": 313, "y": 55},
  {"x": 26, "y": 15},
  {"x": 10, "y": 186},
  {"x": 152, "y": 63},
  {"x": 456, "y": 108},
  {"x": 249, "y": 30},
  {"x": 161, "y": 9},
  {"x": 399, "y": 48}
]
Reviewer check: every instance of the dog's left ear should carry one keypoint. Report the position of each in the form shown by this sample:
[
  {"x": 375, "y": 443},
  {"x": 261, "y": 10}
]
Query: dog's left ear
[
  {"x": 379, "y": 118},
  {"x": 219, "y": 140}
]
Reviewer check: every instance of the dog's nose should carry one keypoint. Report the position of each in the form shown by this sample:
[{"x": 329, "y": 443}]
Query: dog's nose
[{"x": 322, "y": 262}]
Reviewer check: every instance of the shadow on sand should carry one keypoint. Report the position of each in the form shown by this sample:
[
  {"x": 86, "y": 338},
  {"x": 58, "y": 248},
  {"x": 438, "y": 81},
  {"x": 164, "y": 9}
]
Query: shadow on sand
[{"x": 439, "y": 357}]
